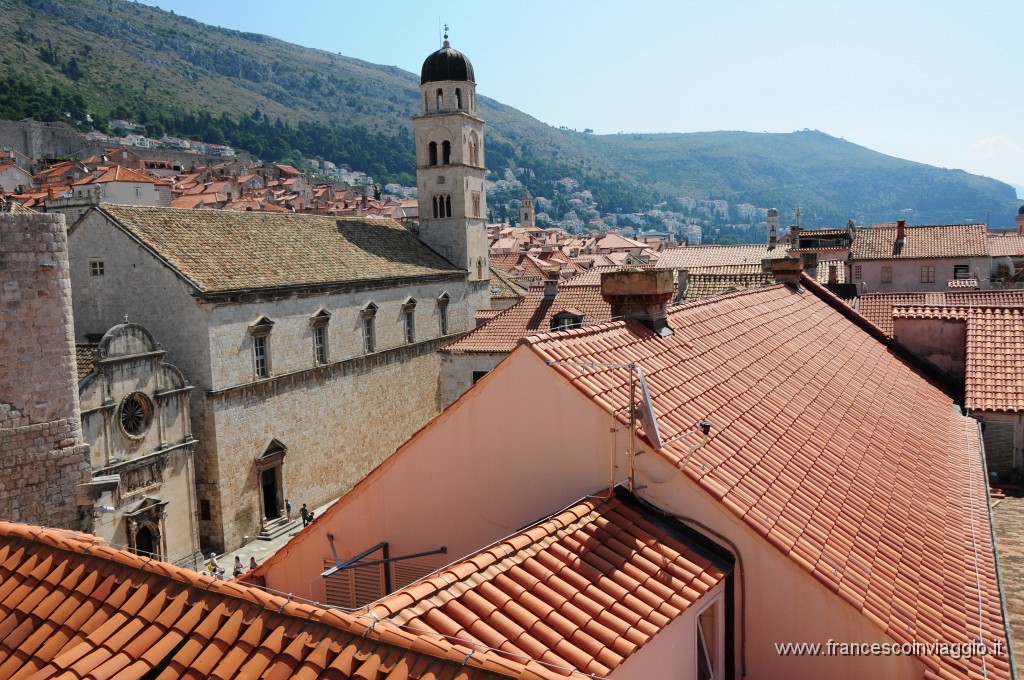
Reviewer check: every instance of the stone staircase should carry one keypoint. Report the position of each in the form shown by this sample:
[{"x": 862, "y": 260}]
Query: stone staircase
[{"x": 277, "y": 527}]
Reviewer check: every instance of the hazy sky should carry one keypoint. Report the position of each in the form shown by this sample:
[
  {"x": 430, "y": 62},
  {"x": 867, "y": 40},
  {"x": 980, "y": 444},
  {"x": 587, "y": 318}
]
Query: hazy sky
[{"x": 935, "y": 81}]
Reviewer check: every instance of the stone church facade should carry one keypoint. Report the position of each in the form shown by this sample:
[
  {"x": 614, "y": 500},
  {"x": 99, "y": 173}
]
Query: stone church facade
[
  {"x": 135, "y": 418},
  {"x": 312, "y": 342}
]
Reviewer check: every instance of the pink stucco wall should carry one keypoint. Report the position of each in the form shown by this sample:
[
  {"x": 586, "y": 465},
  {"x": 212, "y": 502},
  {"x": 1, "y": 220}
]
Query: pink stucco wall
[{"x": 523, "y": 444}]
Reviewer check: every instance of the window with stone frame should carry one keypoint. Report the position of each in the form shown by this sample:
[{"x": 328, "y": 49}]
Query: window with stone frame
[
  {"x": 409, "y": 320},
  {"x": 97, "y": 268},
  {"x": 368, "y": 318},
  {"x": 259, "y": 331},
  {"x": 442, "y": 312},
  {"x": 476, "y": 204},
  {"x": 320, "y": 321}
]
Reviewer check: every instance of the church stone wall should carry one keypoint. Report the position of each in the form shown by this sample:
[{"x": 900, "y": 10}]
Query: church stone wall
[
  {"x": 338, "y": 422},
  {"x": 42, "y": 455}
]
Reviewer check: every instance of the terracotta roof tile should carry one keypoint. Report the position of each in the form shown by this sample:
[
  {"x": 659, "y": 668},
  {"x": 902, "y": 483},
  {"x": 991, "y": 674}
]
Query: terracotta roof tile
[
  {"x": 221, "y": 251},
  {"x": 72, "y": 608},
  {"x": 1009, "y": 245},
  {"x": 995, "y": 359},
  {"x": 953, "y": 240},
  {"x": 531, "y": 315},
  {"x": 877, "y": 307},
  {"x": 691, "y": 257},
  {"x": 825, "y": 442},
  {"x": 584, "y": 589}
]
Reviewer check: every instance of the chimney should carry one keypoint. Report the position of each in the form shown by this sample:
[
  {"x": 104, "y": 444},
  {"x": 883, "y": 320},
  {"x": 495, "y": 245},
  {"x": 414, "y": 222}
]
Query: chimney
[
  {"x": 550, "y": 284},
  {"x": 833, "y": 274},
  {"x": 901, "y": 231},
  {"x": 683, "y": 282},
  {"x": 794, "y": 235},
  {"x": 786, "y": 269},
  {"x": 1020, "y": 220},
  {"x": 641, "y": 294}
]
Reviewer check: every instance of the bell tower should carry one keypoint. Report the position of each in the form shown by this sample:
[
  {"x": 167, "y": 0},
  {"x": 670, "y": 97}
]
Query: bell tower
[
  {"x": 450, "y": 163},
  {"x": 526, "y": 212}
]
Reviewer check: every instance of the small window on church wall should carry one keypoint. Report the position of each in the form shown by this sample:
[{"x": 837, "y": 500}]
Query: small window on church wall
[
  {"x": 476, "y": 204},
  {"x": 96, "y": 268},
  {"x": 446, "y": 153},
  {"x": 424, "y": 101},
  {"x": 433, "y": 153},
  {"x": 458, "y": 98},
  {"x": 440, "y": 99},
  {"x": 436, "y": 212},
  {"x": 448, "y": 206}
]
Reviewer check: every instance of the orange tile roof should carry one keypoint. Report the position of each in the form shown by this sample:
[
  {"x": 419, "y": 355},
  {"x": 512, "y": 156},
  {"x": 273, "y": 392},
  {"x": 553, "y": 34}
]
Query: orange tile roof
[
  {"x": 618, "y": 242},
  {"x": 688, "y": 257},
  {"x": 73, "y": 607},
  {"x": 1010, "y": 245},
  {"x": 951, "y": 240},
  {"x": 825, "y": 442},
  {"x": 995, "y": 359},
  {"x": 711, "y": 281},
  {"x": 592, "y": 276},
  {"x": 83, "y": 359},
  {"x": 532, "y": 315},
  {"x": 119, "y": 173},
  {"x": 823, "y": 269},
  {"x": 877, "y": 307},
  {"x": 583, "y": 589}
]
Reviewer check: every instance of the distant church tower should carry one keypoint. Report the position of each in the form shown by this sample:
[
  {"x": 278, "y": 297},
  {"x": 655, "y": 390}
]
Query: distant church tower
[
  {"x": 526, "y": 213},
  {"x": 450, "y": 163},
  {"x": 773, "y": 226}
]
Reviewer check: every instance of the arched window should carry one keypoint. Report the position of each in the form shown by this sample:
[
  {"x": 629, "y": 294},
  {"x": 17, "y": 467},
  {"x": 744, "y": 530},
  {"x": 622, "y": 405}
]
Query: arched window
[
  {"x": 474, "y": 146},
  {"x": 458, "y": 98},
  {"x": 424, "y": 102},
  {"x": 448, "y": 205},
  {"x": 433, "y": 153},
  {"x": 472, "y": 102},
  {"x": 446, "y": 153},
  {"x": 436, "y": 213},
  {"x": 440, "y": 99}
]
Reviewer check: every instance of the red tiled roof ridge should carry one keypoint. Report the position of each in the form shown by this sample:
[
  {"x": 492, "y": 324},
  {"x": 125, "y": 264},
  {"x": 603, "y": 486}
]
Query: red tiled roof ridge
[
  {"x": 598, "y": 326},
  {"x": 364, "y": 625},
  {"x": 559, "y": 521}
]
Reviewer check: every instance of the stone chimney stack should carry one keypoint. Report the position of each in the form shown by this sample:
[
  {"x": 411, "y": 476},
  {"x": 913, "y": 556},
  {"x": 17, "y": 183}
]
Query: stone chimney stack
[
  {"x": 641, "y": 294},
  {"x": 1020, "y": 221},
  {"x": 901, "y": 231},
  {"x": 551, "y": 284},
  {"x": 786, "y": 269},
  {"x": 682, "y": 284},
  {"x": 794, "y": 235}
]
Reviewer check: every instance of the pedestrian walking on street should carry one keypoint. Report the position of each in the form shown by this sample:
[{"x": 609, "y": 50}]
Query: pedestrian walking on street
[
  {"x": 238, "y": 567},
  {"x": 305, "y": 514},
  {"x": 288, "y": 508},
  {"x": 252, "y": 563}
]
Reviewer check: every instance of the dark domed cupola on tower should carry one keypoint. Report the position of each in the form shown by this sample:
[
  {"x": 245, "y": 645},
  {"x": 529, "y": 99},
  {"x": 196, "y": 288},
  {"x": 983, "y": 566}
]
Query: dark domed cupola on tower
[{"x": 450, "y": 163}]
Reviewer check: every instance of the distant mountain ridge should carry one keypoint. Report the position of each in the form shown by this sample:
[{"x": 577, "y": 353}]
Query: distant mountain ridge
[{"x": 111, "y": 58}]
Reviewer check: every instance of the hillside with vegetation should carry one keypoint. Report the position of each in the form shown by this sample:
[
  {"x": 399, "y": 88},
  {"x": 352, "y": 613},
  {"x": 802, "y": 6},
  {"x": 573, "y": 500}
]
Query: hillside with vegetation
[{"x": 90, "y": 61}]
